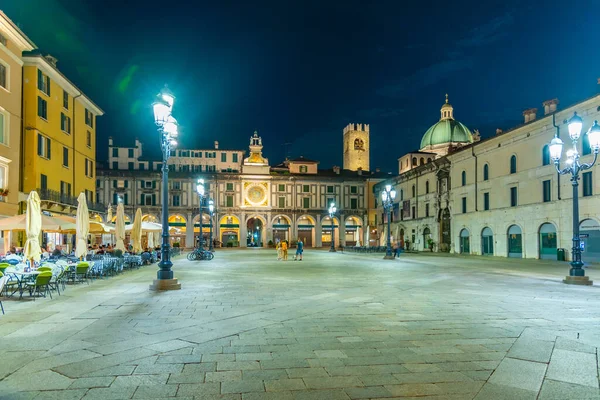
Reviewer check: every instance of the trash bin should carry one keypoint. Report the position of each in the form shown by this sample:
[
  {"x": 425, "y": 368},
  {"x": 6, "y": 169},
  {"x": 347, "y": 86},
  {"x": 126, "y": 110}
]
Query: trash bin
[{"x": 560, "y": 254}]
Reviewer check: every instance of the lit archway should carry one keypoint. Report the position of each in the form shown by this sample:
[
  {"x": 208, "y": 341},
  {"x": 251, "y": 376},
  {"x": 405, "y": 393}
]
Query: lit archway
[
  {"x": 229, "y": 231},
  {"x": 282, "y": 228},
  {"x": 306, "y": 230},
  {"x": 177, "y": 230},
  {"x": 354, "y": 231}
]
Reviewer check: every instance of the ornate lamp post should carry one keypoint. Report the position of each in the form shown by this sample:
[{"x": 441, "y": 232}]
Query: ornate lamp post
[
  {"x": 332, "y": 210},
  {"x": 387, "y": 197},
  {"x": 167, "y": 129},
  {"x": 211, "y": 209},
  {"x": 200, "y": 190},
  {"x": 574, "y": 167}
]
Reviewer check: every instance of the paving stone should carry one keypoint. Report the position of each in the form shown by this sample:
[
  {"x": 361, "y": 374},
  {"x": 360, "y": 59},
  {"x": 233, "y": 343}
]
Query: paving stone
[
  {"x": 42, "y": 380},
  {"x": 519, "y": 374},
  {"x": 555, "y": 390},
  {"x": 413, "y": 389},
  {"x": 198, "y": 389},
  {"x": 199, "y": 368},
  {"x": 321, "y": 395},
  {"x": 573, "y": 367},
  {"x": 137, "y": 380},
  {"x": 237, "y": 365},
  {"x": 422, "y": 367},
  {"x": 87, "y": 383},
  {"x": 573, "y": 345},
  {"x": 330, "y": 354},
  {"x": 113, "y": 371},
  {"x": 111, "y": 393},
  {"x": 219, "y": 357},
  {"x": 242, "y": 386},
  {"x": 531, "y": 350},
  {"x": 69, "y": 394},
  {"x": 224, "y": 376},
  {"x": 158, "y": 369},
  {"x": 284, "y": 384},
  {"x": 267, "y": 374},
  {"x": 155, "y": 391},
  {"x": 500, "y": 392},
  {"x": 189, "y": 377},
  {"x": 332, "y": 382},
  {"x": 253, "y": 356},
  {"x": 367, "y": 392},
  {"x": 431, "y": 377},
  {"x": 179, "y": 359},
  {"x": 268, "y": 396},
  {"x": 306, "y": 372}
]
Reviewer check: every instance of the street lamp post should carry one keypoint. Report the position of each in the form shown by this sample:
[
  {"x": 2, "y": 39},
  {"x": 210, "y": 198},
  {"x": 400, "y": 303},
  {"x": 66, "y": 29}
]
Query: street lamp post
[
  {"x": 332, "y": 210},
  {"x": 387, "y": 197},
  {"x": 167, "y": 129},
  {"x": 574, "y": 167},
  {"x": 200, "y": 190},
  {"x": 211, "y": 209}
]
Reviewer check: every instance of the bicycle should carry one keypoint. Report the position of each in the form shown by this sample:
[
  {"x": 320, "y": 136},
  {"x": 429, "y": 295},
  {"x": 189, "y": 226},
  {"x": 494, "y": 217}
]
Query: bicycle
[{"x": 200, "y": 254}]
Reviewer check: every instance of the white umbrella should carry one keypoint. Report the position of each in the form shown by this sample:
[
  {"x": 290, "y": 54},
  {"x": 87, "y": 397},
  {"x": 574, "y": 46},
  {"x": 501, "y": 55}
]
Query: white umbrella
[
  {"x": 120, "y": 228},
  {"x": 33, "y": 227},
  {"x": 83, "y": 226},
  {"x": 136, "y": 231}
]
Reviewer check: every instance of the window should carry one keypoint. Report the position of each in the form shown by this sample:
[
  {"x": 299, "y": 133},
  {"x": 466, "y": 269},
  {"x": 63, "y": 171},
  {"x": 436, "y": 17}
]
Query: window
[
  {"x": 89, "y": 195},
  {"x": 426, "y": 186},
  {"x": 4, "y": 42},
  {"x": 464, "y": 205},
  {"x": 3, "y": 76},
  {"x": 141, "y": 166},
  {"x": 65, "y": 188},
  {"x": 330, "y": 189},
  {"x": 413, "y": 212},
  {"x": 229, "y": 201},
  {"x": 44, "y": 146},
  {"x": 329, "y": 201},
  {"x": 353, "y": 189},
  {"x": 486, "y": 172},
  {"x": 223, "y": 157},
  {"x": 130, "y": 153},
  {"x": 401, "y": 194},
  {"x": 130, "y": 166},
  {"x": 305, "y": 188},
  {"x": 147, "y": 199},
  {"x": 235, "y": 157},
  {"x": 413, "y": 191},
  {"x": 66, "y": 157},
  {"x": 125, "y": 199},
  {"x": 88, "y": 139},
  {"x": 359, "y": 144},
  {"x": 414, "y": 161},
  {"x": 4, "y": 131},
  {"x": 89, "y": 118},
  {"x": 513, "y": 196},
  {"x": 353, "y": 204},
  {"x": 65, "y": 123},
  {"x": 115, "y": 152},
  {"x": 587, "y": 184},
  {"x": 546, "y": 155},
  {"x": 463, "y": 178},
  {"x": 281, "y": 188},
  {"x": 229, "y": 187},
  {"x": 547, "y": 191},
  {"x": 281, "y": 202},
  {"x": 176, "y": 185},
  {"x": 89, "y": 168},
  {"x": 65, "y": 100},
  {"x": 585, "y": 145},
  {"x": 43, "y": 82},
  {"x": 115, "y": 165},
  {"x": 427, "y": 209},
  {"x": 513, "y": 164},
  {"x": 486, "y": 201},
  {"x": 42, "y": 108},
  {"x": 176, "y": 200},
  {"x": 303, "y": 169},
  {"x": 306, "y": 202},
  {"x": 43, "y": 182}
]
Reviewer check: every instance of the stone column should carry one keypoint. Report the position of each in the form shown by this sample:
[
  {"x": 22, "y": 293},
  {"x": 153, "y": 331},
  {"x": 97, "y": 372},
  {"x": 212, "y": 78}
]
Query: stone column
[
  {"x": 342, "y": 231},
  {"x": 189, "y": 231},
  {"x": 243, "y": 230},
  {"x": 318, "y": 229}
]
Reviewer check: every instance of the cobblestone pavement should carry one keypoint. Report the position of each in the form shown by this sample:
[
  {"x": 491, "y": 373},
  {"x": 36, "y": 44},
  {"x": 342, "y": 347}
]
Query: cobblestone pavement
[{"x": 334, "y": 326}]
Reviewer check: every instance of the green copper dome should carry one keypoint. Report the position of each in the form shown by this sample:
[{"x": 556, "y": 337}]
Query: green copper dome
[{"x": 446, "y": 131}]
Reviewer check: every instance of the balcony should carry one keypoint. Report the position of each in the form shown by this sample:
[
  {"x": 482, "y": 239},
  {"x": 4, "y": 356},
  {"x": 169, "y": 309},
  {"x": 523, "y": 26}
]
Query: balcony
[{"x": 58, "y": 200}]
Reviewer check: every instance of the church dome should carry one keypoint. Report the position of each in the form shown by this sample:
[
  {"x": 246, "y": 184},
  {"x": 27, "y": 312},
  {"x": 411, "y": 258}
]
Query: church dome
[{"x": 447, "y": 130}]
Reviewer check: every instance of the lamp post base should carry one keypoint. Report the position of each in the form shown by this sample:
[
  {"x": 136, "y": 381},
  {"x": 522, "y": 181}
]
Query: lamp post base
[
  {"x": 390, "y": 257},
  {"x": 332, "y": 250},
  {"x": 165, "y": 284},
  {"x": 578, "y": 280}
]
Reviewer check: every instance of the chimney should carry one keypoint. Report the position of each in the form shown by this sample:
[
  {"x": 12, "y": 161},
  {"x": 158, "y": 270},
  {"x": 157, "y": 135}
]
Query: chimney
[
  {"x": 359, "y": 171},
  {"x": 336, "y": 169},
  {"x": 498, "y": 131},
  {"x": 216, "y": 145},
  {"x": 110, "y": 141},
  {"x": 51, "y": 60},
  {"x": 530, "y": 114},
  {"x": 550, "y": 106}
]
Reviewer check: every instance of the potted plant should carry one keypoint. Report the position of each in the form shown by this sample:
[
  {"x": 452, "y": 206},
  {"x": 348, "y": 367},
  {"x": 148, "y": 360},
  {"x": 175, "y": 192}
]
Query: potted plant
[
  {"x": 430, "y": 244},
  {"x": 270, "y": 243},
  {"x": 176, "y": 244},
  {"x": 3, "y": 192}
]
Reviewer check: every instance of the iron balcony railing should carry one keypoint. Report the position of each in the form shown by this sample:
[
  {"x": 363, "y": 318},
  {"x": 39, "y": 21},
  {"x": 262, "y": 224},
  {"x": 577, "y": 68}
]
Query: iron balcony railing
[{"x": 62, "y": 198}]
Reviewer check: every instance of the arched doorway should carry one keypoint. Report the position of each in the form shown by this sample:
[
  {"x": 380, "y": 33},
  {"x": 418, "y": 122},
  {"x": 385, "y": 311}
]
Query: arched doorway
[
  {"x": 150, "y": 218},
  {"x": 229, "y": 227},
  {"x": 255, "y": 228},
  {"x": 515, "y": 242},
  {"x": 306, "y": 230},
  {"x": 401, "y": 238},
  {"x": 353, "y": 229},
  {"x": 589, "y": 233},
  {"x": 445, "y": 237},
  {"x": 205, "y": 229},
  {"x": 487, "y": 242},
  {"x": 282, "y": 228},
  {"x": 427, "y": 239},
  {"x": 548, "y": 241},
  {"x": 326, "y": 234},
  {"x": 465, "y": 242},
  {"x": 177, "y": 230}
]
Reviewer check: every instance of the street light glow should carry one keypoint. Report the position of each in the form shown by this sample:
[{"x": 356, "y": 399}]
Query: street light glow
[
  {"x": 594, "y": 136},
  {"x": 575, "y": 124}
]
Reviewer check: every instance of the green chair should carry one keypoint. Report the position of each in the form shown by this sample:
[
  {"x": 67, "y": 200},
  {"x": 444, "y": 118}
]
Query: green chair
[
  {"x": 3, "y": 281},
  {"x": 59, "y": 279},
  {"x": 41, "y": 286},
  {"x": 81, "y": 272},
  {"x": 41, "y": 269}
]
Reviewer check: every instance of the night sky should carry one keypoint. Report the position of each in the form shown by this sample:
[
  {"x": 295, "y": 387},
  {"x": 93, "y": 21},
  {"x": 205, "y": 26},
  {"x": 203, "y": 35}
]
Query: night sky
[{"x": 299, "y": 71}]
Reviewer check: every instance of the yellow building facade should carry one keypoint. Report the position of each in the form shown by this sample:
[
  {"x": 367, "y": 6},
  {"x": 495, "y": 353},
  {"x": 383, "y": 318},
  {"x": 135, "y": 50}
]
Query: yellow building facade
[{"x": 59, "y": 136}]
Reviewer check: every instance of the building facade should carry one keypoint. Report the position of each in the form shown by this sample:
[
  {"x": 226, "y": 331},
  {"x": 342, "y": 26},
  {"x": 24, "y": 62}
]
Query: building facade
[
  {"x": 255, "y": 203},
  {"x": 500, "y": 196}
]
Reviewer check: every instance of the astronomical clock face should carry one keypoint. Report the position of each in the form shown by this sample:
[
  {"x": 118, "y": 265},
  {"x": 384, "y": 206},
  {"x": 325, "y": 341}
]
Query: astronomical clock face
[{"x": 256, "y": 194}]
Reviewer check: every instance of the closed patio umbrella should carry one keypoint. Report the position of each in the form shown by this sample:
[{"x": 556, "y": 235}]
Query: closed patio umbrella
[
  {"x": 33, "y": 229},
  {"x": 120, "y": 228},
  {"x": 83, "y": 226},
  {"x": 136, "y": 232}
]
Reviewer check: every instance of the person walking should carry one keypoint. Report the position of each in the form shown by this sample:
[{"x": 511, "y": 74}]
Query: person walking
[
  {"x": 284, "y": 249},
  {"x": 279, "y": 252},
  {"x": 299, "y": 250},
  {"x": 395, "y": 250}
]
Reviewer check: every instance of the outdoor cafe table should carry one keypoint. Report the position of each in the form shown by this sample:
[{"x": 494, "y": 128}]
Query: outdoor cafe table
[{"x": 22, "y": 277}]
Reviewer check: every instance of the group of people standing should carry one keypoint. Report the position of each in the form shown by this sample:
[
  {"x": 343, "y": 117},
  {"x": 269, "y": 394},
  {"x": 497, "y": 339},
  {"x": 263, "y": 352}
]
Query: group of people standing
[{"x": 282, "y": 247}]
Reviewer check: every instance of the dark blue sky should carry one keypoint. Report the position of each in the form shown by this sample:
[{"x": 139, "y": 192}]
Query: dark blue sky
[{"x": 299, "y": 71}]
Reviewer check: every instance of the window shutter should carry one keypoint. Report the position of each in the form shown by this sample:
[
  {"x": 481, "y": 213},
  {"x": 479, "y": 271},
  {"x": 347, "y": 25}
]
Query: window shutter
[
  {"x": 153, "y": 184},
  {"x": 48, "y": 81},
  {"x": 40, "y": 145},
  {"x": 115, "y": 183},
  {"x": 153, "y": 199},
  {"x": 142, "y": 199},
  {"x": 126, "y": 183},
  {"x": 115, "y": 199},
  {"x": 49, "y": 152},
  {"x": 40, "y": 79},
  {"x": 125, "y": 198}
]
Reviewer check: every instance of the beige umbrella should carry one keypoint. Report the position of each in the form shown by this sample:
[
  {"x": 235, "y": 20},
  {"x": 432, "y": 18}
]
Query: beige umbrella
[
  {"x": 136, "y": 231},
  {"x": 33, "y": 229},
  {"x": 120, "y": 228},
  {"x": 83, "y": 226},
  {"x": 49, "y": 224}
]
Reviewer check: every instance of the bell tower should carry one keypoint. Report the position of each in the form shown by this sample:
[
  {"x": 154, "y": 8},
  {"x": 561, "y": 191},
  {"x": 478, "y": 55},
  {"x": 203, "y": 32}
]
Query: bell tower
[{"x": 356, "y": 147}]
